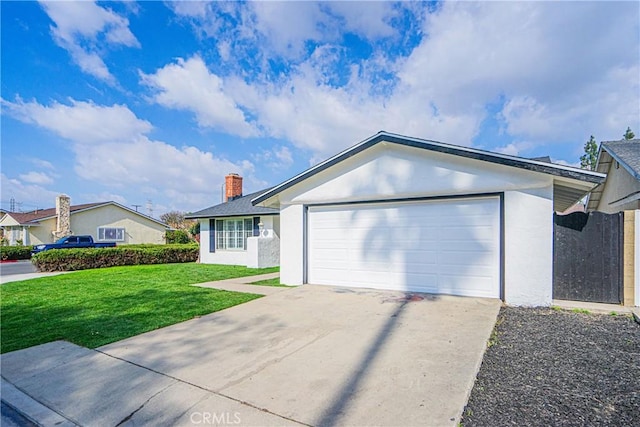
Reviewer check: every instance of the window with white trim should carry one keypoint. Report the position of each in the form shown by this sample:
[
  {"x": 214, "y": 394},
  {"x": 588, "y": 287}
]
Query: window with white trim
[
  {"x": 111, "y": 234},
  {"x": 231, "y": 234}
]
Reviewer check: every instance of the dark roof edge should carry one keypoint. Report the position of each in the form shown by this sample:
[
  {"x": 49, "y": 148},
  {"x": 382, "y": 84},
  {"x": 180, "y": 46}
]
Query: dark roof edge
[
  {"x": 110, "y": 202},
  {"x": 275, "y": 212},
  {"x": 624, "y": 164},
  {"x": 472, "y": 153}
]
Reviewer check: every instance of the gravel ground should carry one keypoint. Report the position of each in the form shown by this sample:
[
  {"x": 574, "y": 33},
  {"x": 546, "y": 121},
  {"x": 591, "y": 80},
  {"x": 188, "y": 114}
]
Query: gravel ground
[{"x": 547, "y": 367}]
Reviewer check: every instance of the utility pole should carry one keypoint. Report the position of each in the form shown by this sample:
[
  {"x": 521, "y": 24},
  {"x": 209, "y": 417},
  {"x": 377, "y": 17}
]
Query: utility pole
[
  {"x": 150, "y": 208},
  {"x": 136, "y": 206},
  {"x": 12, "y": 205}
]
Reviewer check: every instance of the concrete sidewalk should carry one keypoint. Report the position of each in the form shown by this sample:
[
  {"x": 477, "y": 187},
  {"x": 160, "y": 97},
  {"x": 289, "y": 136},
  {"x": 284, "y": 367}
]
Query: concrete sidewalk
[
  {"x": 70, "y": 385},
  {"x": 313, "y": 355},
  {"x": 243, "y": 284},
  {"x": 28, "y": 276}
]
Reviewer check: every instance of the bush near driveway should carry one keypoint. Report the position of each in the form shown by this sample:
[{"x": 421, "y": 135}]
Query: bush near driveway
[
  {"x": 15, "y": 252},
  {"x": 83, "y": 259},
  {"x": 96, "y": 307}
]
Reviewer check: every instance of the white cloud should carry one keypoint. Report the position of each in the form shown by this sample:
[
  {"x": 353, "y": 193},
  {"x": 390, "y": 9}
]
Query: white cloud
[
  {"x": 43, "y": 164},
  {"x": 371, "y": 21},
  {"x": 553, "y": 71},
  {"x": 188, "y": 8},
  {"x": 556, "y": 64},
  {"x": 189, "y": 85},
  {"x": 111, "y": 149},
  {"x": 279, "y": 157},
  {"x": 81, "y": 122},
  {"x": 515, "y": 148},
  {"x": 286, "y": 26},
  {"x": 34, "y": 177},
  {"x": 106, "y": 196},
  {"x": 84, "y": 29},
  {"x": 23, "y": 192}
]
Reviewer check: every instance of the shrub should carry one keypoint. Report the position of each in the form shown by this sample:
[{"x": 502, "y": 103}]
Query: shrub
[
  {"x": 82, "y": 259},
  {"x": 195, "y": 228},
  {"x": 15, "y": 252},
  {"x": 177, "y": 236}
]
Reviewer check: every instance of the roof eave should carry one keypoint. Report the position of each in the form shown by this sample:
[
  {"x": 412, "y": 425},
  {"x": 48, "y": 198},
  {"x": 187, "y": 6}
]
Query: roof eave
[
  {"x": 535, "y": 166},
  {"x": 203, "y": 216},
  {"x": 624, "y": 164}
]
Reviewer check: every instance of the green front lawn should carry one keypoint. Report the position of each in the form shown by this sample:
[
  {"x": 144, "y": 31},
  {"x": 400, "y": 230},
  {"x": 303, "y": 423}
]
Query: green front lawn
[
  {"x": 96, "y": 307},
  {"x": 269, "y": 282}
]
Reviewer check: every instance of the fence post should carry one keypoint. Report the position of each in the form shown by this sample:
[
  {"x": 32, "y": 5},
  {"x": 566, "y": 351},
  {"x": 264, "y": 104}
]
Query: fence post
[{"x": 629, "y": 258}]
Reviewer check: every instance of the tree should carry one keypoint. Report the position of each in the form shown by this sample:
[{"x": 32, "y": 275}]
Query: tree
[
  {"x": 629, "y": 134},
  {"x": 174, "y": 219},
  {"x": 590, "y": 157}
]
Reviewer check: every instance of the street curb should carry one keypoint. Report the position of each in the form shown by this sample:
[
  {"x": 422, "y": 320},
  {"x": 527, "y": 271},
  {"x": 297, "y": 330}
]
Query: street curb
[{"x": 31, "y": 409}]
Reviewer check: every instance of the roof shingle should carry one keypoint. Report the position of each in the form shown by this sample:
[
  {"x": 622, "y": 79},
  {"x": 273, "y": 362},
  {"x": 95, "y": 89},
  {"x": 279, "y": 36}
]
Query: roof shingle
[
  {"x": 627, "y": 153},
  {"x": 34, "y": 216},
  {"x": 239, "y": 207}
]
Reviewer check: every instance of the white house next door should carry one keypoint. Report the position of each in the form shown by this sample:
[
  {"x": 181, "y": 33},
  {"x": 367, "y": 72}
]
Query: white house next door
[{"x": 447, "y": 246}]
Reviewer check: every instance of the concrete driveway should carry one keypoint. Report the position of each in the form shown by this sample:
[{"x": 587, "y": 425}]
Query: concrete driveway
[
  {"x": 21, "y": 270},
  {"x": 312, "y": 355}
]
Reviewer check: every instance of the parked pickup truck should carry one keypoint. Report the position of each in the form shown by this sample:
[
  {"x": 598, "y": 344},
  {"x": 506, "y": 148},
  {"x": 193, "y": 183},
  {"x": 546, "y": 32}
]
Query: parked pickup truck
[{"x": 72, "y": 242}]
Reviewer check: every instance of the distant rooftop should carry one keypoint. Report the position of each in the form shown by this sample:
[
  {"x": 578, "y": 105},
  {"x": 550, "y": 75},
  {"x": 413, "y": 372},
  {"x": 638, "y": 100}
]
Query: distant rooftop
[
  {"x": 238, "y": 207},
  {"x": 627, "y": 153},
  {"x": 36, "y": 215}
]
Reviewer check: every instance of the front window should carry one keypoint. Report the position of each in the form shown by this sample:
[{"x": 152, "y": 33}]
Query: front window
[
  {"x": 111, "y": 234},
  {"x": 231, "y": 234}
]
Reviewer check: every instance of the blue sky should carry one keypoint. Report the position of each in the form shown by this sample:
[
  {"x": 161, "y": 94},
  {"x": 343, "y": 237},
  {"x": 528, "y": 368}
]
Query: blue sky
[{"x": 153, "y": 103}]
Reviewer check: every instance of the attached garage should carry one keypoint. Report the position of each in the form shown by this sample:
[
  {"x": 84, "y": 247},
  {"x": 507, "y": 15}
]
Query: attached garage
[
  {"x": 408, "y": 214},
  {"x": 449, "y": 246}
]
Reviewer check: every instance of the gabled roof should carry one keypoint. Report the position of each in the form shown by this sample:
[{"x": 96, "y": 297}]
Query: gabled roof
[
  {"x": 564, "y": 195},
  {"x": 626, "y": 153},
  {"x": 241, "y": 206},
  {"x": 31, "y": 217},
  {"x": 34, "y": 217}
]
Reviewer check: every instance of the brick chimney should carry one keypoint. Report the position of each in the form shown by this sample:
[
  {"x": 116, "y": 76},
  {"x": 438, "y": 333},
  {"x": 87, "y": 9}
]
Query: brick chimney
[
  {"x": 63, "y": 213},
  {"x": 233, "y": 187}
]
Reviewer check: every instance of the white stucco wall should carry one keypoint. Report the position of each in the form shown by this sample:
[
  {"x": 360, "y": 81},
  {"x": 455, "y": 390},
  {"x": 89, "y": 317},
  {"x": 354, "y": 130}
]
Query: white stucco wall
[
  {"x": 291, "y": 245},
  {"x": 271, "y": 222},
  {"x": 263, "y": 252},
  {"x": 388, "y": 171},
  {"x": 232, "y": 257},
  {"x": 392, "y": 171},
  {"x": 619, "y": 184},
  {"x": 528, "y": 247},
  {"x": 237, "y": 257}
]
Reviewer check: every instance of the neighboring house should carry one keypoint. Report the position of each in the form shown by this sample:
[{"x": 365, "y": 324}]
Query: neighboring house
[
  {"x": 620, "y": 160},
  {"x": 401, "y": 213},
  {"x": 238, "y": 233},
  {"x": 105, "y": 222},
  {"x": 2, "y": 214}
]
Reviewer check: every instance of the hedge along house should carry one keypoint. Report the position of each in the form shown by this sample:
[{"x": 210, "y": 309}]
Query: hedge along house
[
  {"x": 238, "y": 233},
  {"x": 105, "y": 222},
  {"x": 401, "y": 213}
]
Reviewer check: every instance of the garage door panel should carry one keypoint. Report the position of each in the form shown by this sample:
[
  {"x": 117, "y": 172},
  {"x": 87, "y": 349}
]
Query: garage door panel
[{"x": 441, "y": 246}]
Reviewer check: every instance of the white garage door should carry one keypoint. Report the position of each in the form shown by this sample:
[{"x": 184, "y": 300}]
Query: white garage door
[{"x": 450, "y": 247}]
